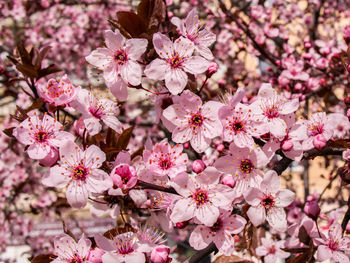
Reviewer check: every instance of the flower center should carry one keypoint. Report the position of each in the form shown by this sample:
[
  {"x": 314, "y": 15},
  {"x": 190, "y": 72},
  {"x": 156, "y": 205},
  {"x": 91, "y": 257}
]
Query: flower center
[
  {"x": 238, "y": 126},
  {"x": 272, "y": 250},
  {"x": 271, "y": 112},
  {"x": 175, "y": 61},
  {"x": 41, "y": 136},
  {"x": 125, "y": 243},
  {"x": 120, "y": 57},
  {"x": 217, "y": 226},
  {"x": 76, "y": 259},
  {"x": 80, "y": 172},
  {"x": 247, "y": 166},
  {"x": 268, "y": 202},
  {"x": 317, "y": 129},
  {"x": 96, "y": 112},
  {"x": 333, "y": 245},
  {"x": 196, "y": 120},
  {"x": 200, "y": 197},
  {"x": 165, "y": 163}
]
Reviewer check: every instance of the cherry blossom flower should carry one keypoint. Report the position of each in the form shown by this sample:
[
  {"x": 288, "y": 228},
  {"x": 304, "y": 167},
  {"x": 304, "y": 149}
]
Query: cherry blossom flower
[
  {"x": 271, "y": 250},
  {"x": 67, "y": 250},
  {"x": 201, "y": 37},
  {"x": 59, "y": 92},
  {"x": 220, "y": 233},
  {"x": 267, "y": 202},
  {"x": 317, "y": 125},
  {"x": 165, "y": 159},
  {"x": 95, "y": 109},
  {"x": 194, "y": 121},
  {"x": 202, "y": 197},
  {"x": 175, "y": 60},
  {"x": 243, "y": 164},
  {"x": 340, "y": 124},
  {"x": 119, "y": 62},
  {"x": 240, "y": 126},
  {"x": 270, "y": 107},
  {"x": 294, "y": 69},
  {"x": 124, "y": 175},
  {"x": 123, "y": 248},
  {"x": 334, "y": 246},
  {"x": 43, "y": 135},
  {"x": 79, "y": 171}
]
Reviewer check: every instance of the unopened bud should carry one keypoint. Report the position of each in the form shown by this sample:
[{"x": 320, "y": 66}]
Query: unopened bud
[
  {"x": 312, "y": 209},
  {"x": 287, "y": 145},
  {"x": 228, "y": 180},
  {"x": 212, "y": 69},
  {"x": 198, "y": 166},
  {"x": 319, "y": 141},
  {"x": 160, "y": 254}
]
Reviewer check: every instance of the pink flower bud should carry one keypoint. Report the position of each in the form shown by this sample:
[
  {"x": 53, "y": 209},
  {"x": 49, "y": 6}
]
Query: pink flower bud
[
  {"x": 312, "y": 209},
  {"x": 198, "y": 166},
  {"x": 348, "y": 113},
  {"x": 220, "y": 147},
  {"x": 186, "y": 145},
  {"x": 95, "y": 255},
  {"x": 212, "y": 69},
  {"x": 228, "y": 180},
  {"x": 348, "y": 68},
  {"x": 160, "y": 254},
  {"x": 307, "y": 44},
  {"x": 287, "y": 145},
  {"x": 319, "y": 141},
  {"x": 181, "y": 225}
]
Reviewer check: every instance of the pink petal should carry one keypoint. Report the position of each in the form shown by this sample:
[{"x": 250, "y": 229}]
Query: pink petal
[
  {"x": 256, "y": 215},
  {"x": 183, "y": 210},
  {"x": 323, "y": 253},
  {"x": 113, "y": 123},
  {"x": 131, "y": 72},
  {"x": 57, "y": 177},
  {"x": 119, "y": 89},
  {"x": 271, "y": 182},
  {"x": 135, "y": 47},
  {"x": 290, "y": 106},
  {"x": 93, "y": 126},
  {"x": 192, "y": 22},
  {"x": 157, "y": 69},
  {"x": 104, "y": 243},
  {"x": 196, "y": 239},
  {"x": 84, "y": 245},
  {"x": 253, "y": 196},
  {"x": 207, "y": 214},
  {"x": 77, "y": 194},
  {"x": 176, "y": 80},
  {"x": 114, "y": 41},
  {"x": 100, "y": 58},
  {"x": 284, "y": 198},
  {"x": 38, "y": 150},
  {"x": 205, "y": 52},
  {"x": 179, "y": 24},
  {"x": 163, "y": 45},
  {"x": 183, "y": 47},
  {"x": 277, "y": 219},
  {"x": 278, "y": 127},
  {"x": 196, "y": 65},
  {"x": 199, "y": 142}
]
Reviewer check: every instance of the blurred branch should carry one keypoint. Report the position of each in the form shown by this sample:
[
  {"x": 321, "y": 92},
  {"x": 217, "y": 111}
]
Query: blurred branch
[{"x": 201, "y": 254}]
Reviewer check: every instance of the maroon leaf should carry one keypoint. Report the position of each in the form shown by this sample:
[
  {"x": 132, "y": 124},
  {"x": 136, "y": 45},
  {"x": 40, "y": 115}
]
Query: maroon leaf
[
  {"x": 124, "y": 138},
  {"x": 27, "y": 70},
  {"x": 23, "y": 53},
  {"x": 39, "y": 58},
  {"x": 44, "y": 258},
  {"x": 49, "y": 70},
  {"x": 9, "y": 131},
  {"x": 132, "y": 23}
]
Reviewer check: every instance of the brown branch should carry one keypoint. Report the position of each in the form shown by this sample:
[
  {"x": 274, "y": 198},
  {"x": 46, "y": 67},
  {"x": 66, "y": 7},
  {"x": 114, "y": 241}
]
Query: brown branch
[
  {"x": 196, "y": 258},
  {"x": 346, "y": 218},
  {"x": 145, "y": 185}
]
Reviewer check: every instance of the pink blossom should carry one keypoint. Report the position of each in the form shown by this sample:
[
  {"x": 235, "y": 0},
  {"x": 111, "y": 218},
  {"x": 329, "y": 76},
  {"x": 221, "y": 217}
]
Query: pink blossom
[
  {"x": 78, "y": 170},
  {"x": 270, "y": 107},
  {"x": 294, "y": 69},
  {"x": 96, "y": 109},
  {"x": 271, "y": 250},
  {"x": 123, "y": 175},
  {"x": 119, "y": 62},
  {"x": 42, "y": 135},
  {"x": 200, "y": 36},
  {"x": 334, "y": 246},
  {"x": 220, "y": 233},
  {"x": 340, "y": 124},
  {"x": 198, "y": 166},
  {"x": 267, "y": 202},
  {"x": 95, "y": 255},
  {"x": 165, "y": 159},
  {"x": 59, "y": 92},
  {"x": 160, "y": 254},
  {"x": 240, "y": 125},
  {"x": 122, "y": 248},
  {"x": 201, "y": 197},
  {"x": 243, "y": 164},
  {"x": 194, "y": 121},
  {"x": 318, "y": 124},
  {"x": 67, "y": 250},
  {"x": 175, "y": 60}
]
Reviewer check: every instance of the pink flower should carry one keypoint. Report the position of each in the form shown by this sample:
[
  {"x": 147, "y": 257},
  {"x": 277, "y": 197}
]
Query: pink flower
[
  {"x": 194, "y": 121},
  {"x": 41, "y": 134},
  {"x": 96, "y": 109},
  {"x": 124, "y": 175},
  {"x": 58, "y": 93},
  {"x": 95, "y": 255},
  {"x": 270, "y": 107},
  {"x": 243, "y": 164},
  {"x": 271, "y": 250},
  {"x": 334, "y": 246},
  {"x": 121, "y": 249},
  {"x": 67, "y": 250},
  {"x": 318, "y": 124},
  {"x": 201, "y": 37},
  {"x": 220, "y": 233},
  {"x": 202, "y": 197},
  {"x": 294, "y": 69},
  {"x": 119, "y": 62},
  {"x": 79, "y": 171},
  {"x": 175, "y": 60},
  {"x": 267, "y": 202},
  {"x": 240, "y": 125},
  {"x": 340, "y": 124},
  {"x": 165, "y": 159}
]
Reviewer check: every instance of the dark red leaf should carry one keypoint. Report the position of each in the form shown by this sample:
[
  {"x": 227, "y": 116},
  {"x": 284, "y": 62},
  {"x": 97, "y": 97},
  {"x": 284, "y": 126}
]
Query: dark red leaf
[
  {"x": 124, "y": 138},
  {"x": 27, "y": 70},
  {"x": 132, "y": 23},
  {"x": 45, "y": 258}
]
